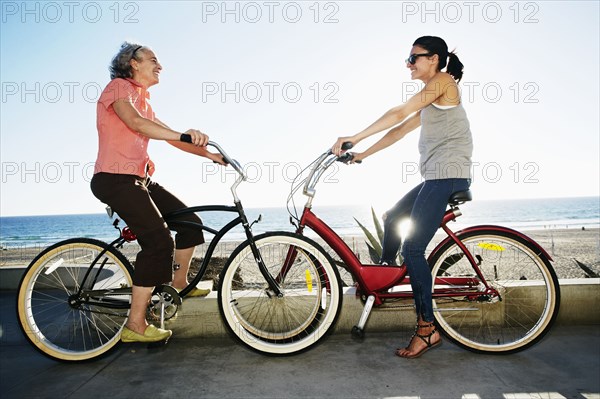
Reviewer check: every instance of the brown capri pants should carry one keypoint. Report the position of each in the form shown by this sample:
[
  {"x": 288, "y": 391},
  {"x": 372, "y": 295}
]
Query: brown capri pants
[{"x": 141, "y": 204}]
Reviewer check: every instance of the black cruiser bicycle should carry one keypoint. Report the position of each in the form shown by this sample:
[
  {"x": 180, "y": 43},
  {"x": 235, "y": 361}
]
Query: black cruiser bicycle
[{"x": 74, "y": 297}]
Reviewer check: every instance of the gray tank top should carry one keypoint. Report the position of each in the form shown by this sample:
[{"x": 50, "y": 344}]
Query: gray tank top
[{"x": 445, "y": 144}]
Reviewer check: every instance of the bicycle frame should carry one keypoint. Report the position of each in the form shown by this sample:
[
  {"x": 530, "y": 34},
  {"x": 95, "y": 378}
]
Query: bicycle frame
[
  {"x": 126, "y": 236},
  {"x": 218, "y": 234},
  {"x": 375, "y": 280}
]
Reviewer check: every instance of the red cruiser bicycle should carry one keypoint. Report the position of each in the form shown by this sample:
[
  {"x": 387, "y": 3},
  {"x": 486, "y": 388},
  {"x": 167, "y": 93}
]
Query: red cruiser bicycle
[{"x": 494, "y": 289}]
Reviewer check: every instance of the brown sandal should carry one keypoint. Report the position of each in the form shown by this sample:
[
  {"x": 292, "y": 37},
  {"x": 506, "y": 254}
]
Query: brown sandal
[{"x": 425, "y": 338}]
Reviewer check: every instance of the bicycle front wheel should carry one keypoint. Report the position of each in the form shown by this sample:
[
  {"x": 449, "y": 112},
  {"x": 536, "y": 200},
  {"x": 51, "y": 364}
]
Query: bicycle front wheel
[
  {"x": 301, "y": 316},
  {"x": 74, "y": 299},
  {"x": 528, "y": 292}
]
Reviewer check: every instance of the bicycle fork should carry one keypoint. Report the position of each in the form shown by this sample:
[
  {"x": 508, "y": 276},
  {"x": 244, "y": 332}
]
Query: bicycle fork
[{"x": 274, "y": 288}]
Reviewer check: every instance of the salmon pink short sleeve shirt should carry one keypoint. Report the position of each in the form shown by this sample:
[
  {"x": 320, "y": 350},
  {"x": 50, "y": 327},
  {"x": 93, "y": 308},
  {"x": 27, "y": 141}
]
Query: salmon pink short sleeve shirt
[{"x": 120, "y": 149}]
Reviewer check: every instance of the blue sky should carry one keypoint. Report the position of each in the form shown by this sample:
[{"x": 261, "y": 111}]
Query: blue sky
[{"x": 275, "y": 83}]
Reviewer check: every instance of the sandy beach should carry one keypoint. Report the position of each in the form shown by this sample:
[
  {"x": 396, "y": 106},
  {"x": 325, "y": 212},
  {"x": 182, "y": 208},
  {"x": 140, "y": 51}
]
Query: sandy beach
[{"x": 565, "y": 246}]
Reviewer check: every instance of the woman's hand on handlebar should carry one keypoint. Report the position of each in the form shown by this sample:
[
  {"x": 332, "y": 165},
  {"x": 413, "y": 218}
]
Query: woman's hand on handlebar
[
  {"x": 357, "y": 157},
  {"x": 200, "y": 149},
  {"x": 216, "y": 158},
  {"x": 198, "y": 138},
  {"x": 350, "y": 157},
  {"x": 337, "y": 146}
]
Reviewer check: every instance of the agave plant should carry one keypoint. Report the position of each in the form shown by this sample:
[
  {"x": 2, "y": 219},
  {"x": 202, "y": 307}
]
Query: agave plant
[
  {"x": 375, "y": 244},
  {"x": 375, "y": 241}
]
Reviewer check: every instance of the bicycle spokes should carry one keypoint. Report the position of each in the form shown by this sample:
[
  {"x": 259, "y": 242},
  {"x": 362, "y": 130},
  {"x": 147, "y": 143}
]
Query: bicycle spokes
[{"x": 510, "y": 309}]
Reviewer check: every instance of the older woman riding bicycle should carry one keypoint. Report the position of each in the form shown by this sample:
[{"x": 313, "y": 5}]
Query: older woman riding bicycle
[{"x": 126, "y": 123}]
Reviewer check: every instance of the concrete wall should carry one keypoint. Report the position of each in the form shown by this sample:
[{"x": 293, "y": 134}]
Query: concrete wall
[{"x": 580, "y": 300}]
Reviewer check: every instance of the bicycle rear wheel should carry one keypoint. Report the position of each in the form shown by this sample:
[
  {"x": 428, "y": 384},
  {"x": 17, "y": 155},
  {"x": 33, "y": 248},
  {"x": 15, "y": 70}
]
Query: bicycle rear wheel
[
  {"x": 305, "y": 312},
  {"x": 529, "y": 294},
  {"x": 58, "y": 312}
]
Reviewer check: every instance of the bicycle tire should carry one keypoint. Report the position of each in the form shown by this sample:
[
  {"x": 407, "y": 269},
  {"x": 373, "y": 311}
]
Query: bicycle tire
[
  {"x": 522, "y": 274},
  {"x": 305, "y": 313},
  {"x": 54, "y": 322}
]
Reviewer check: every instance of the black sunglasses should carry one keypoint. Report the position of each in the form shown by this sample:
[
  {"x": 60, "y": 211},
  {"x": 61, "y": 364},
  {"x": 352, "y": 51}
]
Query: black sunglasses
[
  {"x": 135, "y": 51},
  {"x": 413, "y": 58}
]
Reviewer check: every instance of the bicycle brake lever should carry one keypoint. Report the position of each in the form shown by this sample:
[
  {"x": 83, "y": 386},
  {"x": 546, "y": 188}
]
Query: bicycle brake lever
[{"x": 256, "y": 221}]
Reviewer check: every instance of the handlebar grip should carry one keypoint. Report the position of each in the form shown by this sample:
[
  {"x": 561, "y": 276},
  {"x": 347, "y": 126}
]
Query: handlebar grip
[
  {"x": 347, "y": 157},
  {"x": 347, "y": 145},
  {"x": 186, "y": 138}
]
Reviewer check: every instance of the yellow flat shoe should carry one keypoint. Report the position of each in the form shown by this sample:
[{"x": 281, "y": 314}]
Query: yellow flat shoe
[
  {"x": 195, "y": 292},
  {"x": 151, "y": 334},
  {"x": 198, "y": 292}
]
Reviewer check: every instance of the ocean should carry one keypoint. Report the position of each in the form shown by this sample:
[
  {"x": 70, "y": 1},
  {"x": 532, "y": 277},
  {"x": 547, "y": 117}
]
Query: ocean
[{"x": 531, "y": 214}]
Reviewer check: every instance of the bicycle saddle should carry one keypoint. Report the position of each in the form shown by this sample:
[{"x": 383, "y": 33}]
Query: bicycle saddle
[{"x": 460, "y": 197}]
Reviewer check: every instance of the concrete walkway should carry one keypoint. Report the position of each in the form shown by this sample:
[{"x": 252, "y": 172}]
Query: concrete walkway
[{"x": 566, "y": 364}]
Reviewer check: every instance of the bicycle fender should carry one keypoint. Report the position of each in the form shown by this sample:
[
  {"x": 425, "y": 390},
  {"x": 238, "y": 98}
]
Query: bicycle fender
[{"x": 502, "y": 229}]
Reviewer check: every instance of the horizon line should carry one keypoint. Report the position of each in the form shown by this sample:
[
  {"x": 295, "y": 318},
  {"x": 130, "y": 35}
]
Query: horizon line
[{"x": 324, "y": 205}]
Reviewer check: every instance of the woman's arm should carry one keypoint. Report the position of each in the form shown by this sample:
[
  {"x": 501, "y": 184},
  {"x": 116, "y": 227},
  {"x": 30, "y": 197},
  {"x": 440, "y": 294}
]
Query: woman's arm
[
  {"x": 192, "y": 149},
  {"x": 389, "y": 119},
  {"x": 435, "y": 88},
  {"x": 136, "y": 122},
  {"x": 410, "y": 124}
]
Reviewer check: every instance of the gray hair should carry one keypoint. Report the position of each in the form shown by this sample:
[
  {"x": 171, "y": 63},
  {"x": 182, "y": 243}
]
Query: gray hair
[{"x": 120, "y": 66}]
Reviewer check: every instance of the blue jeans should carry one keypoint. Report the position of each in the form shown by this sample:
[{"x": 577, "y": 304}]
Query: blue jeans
[{"x": 425, "y": 205}]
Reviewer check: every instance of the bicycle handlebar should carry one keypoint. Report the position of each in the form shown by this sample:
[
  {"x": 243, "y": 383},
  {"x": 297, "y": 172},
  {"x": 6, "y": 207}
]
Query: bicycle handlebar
[
  {"x": 236, "y": 165},
  {"x": 186, "y": 138},
  {"x": 324, "y": 162},
  {"x": 348, "y": 156}
]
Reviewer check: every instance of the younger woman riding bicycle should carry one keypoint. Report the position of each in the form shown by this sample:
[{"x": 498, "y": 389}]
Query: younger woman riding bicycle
[{"x": 445, "y": 146}]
